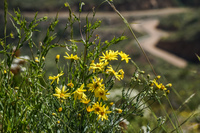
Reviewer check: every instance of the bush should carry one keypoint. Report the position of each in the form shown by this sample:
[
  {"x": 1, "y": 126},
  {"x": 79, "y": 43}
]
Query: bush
[{"x": 74, "y": 99}]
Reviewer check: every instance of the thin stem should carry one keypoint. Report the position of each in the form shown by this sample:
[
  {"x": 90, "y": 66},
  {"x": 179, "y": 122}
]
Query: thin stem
[
  {"x": 5, "y": 19},
  {"x": 129, "y": 27}
]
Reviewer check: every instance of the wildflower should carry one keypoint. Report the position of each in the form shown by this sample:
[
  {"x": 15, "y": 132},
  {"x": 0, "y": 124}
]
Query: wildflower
[
  {"x": 96, "y": 84},
  {"x": 159, "y": 85},
  {"x": 4, "y": 71},
  {"x": 58, "y": 122},
  {"x": 57, "y": 57},
  {"x": 169, "y": 85},
  {"x": 111, "y": 104},
  {"x": 163, "y": 87},
  {"x": 124, "y": 56},
  {"x": 101, "y": 94},
  {"x": 110, "y": 70},
  {"x": 120, "y": 74},
  {"x": 79, "y": 93},
  {"x": 89, "y": 109},
  {"x": 158, "y": 77},
  {"x": 16, "y": 88},
  {"x": 71, "y": 85},
  {"x": 53, "y": 114},
  {"x": 56, "y": 77},
  {"x": 72, "y": 57},
  {"x": 60, "y": 109},
  {"x": 98, "y": 66},
  {"x": 43, "y": 58},
  {"x": 97, "y": 107},
  {"x": 85, "y": 101},
  {"x": 61, "y": 93},
  {"x": 102, "y": 113},
  {"x": 36, "y": 59},
  {"x": 108, "y": 56},
  {"x": 168, "y": 91},
  {"x": 119, "y": 110}
]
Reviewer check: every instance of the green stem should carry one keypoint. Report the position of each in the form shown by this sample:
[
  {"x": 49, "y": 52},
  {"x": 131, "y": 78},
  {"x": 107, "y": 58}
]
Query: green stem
[
  {"x": 5, "y": 26},
  {"x": 129, "y": 27},
  {"x": 5, "y": 19}
]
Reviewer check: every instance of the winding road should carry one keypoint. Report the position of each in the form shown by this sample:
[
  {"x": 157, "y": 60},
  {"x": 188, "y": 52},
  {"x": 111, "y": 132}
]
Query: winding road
[{"x": 149, "y": 41}]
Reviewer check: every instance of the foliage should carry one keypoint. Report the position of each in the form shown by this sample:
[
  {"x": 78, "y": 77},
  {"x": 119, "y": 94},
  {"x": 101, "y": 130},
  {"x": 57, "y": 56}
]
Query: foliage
[
  {"x": 75, "y": 98},
  {"x": 182, "y": 23},
  {"x": 184, "y": 35}
]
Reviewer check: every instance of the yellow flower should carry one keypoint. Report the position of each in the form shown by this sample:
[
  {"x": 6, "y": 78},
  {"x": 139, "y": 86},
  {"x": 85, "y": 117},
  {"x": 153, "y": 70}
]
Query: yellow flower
[
  {"x": 159, "y": 85},
  {"x": 103, "y": 113},
  {"x": 53, "y": 114},
  {"x": 98, "y": 66},
  {"x": 60, "y": 109},
  {"x": 111, "y": 104},
  {"x": 163, "y": 87},
  {"x": 57, "y": 57},
  {"x": 101, "y": 94},
  {"x": 169, "y": 85},
  {"x": 97, "y": 107},
  {"x": 61, "y": 93},
  {"x": 110, "y": 70},
  {"x": 89, "y": 109},
  {"x": 72, "y": 57},
  {"x": 168, "y": 91},
  {"x": 158, "y": 77},
  {"x": 58, "y": 122},
  {"x": 119, "y": 111},
  {"x": 36, "y": 59},
  {"x": 96, "y": 84},
  {"x": 79, "y": 93},
  {"x": 56, "y": 77},
  {"x": 108, "y": 56},
  {"x": 124, "y": 56},
  {"x": 156, "y": 84},
  {"x": 85, "y": 101},
  {"x": 4, "y": 71},
  {"x": 100, "y": 110},
  {"x": 120, "y": 74},
  {"x": 16, "y": 88},
  {"x": 71, "y": 85}
]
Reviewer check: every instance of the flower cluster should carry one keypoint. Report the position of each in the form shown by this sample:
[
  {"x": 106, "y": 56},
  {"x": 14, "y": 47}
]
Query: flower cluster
[
  {"x": 104, "y": 61},
  {"x": 93, "y": 92},
  {"x": 160, "y": 86}
]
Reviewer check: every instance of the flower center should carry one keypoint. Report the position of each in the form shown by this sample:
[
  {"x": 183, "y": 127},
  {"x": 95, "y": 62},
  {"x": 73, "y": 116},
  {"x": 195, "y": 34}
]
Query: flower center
[{"x": 97, "y": 109}]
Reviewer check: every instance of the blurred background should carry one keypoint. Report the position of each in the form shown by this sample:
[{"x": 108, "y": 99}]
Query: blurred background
[{"x": 169, "y": 31}]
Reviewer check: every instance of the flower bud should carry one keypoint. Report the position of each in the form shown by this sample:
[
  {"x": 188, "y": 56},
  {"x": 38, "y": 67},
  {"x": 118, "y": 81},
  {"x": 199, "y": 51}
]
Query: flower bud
[
  {"x": 169, "y": 85},
  {"x": 54, "y": 114},
  {"x": 111, "y": 103},
  {"x": 60, "y": 109},
  {"x": 57, "y": 58}
]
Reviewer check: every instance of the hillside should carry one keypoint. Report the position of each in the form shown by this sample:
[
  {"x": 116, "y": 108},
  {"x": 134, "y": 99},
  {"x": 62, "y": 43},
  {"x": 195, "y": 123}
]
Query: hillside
[
  {"x": 184, "y": 39},
  {"x": 122, "y": 5}
]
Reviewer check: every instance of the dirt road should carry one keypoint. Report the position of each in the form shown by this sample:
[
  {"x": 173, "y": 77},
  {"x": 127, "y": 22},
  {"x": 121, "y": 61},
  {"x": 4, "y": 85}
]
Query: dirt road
[{"x": 149, "y": 41}]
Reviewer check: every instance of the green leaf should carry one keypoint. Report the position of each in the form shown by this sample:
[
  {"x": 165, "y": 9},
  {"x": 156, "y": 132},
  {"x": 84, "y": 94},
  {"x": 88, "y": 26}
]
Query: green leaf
[{"x": 17, "y": 29}]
